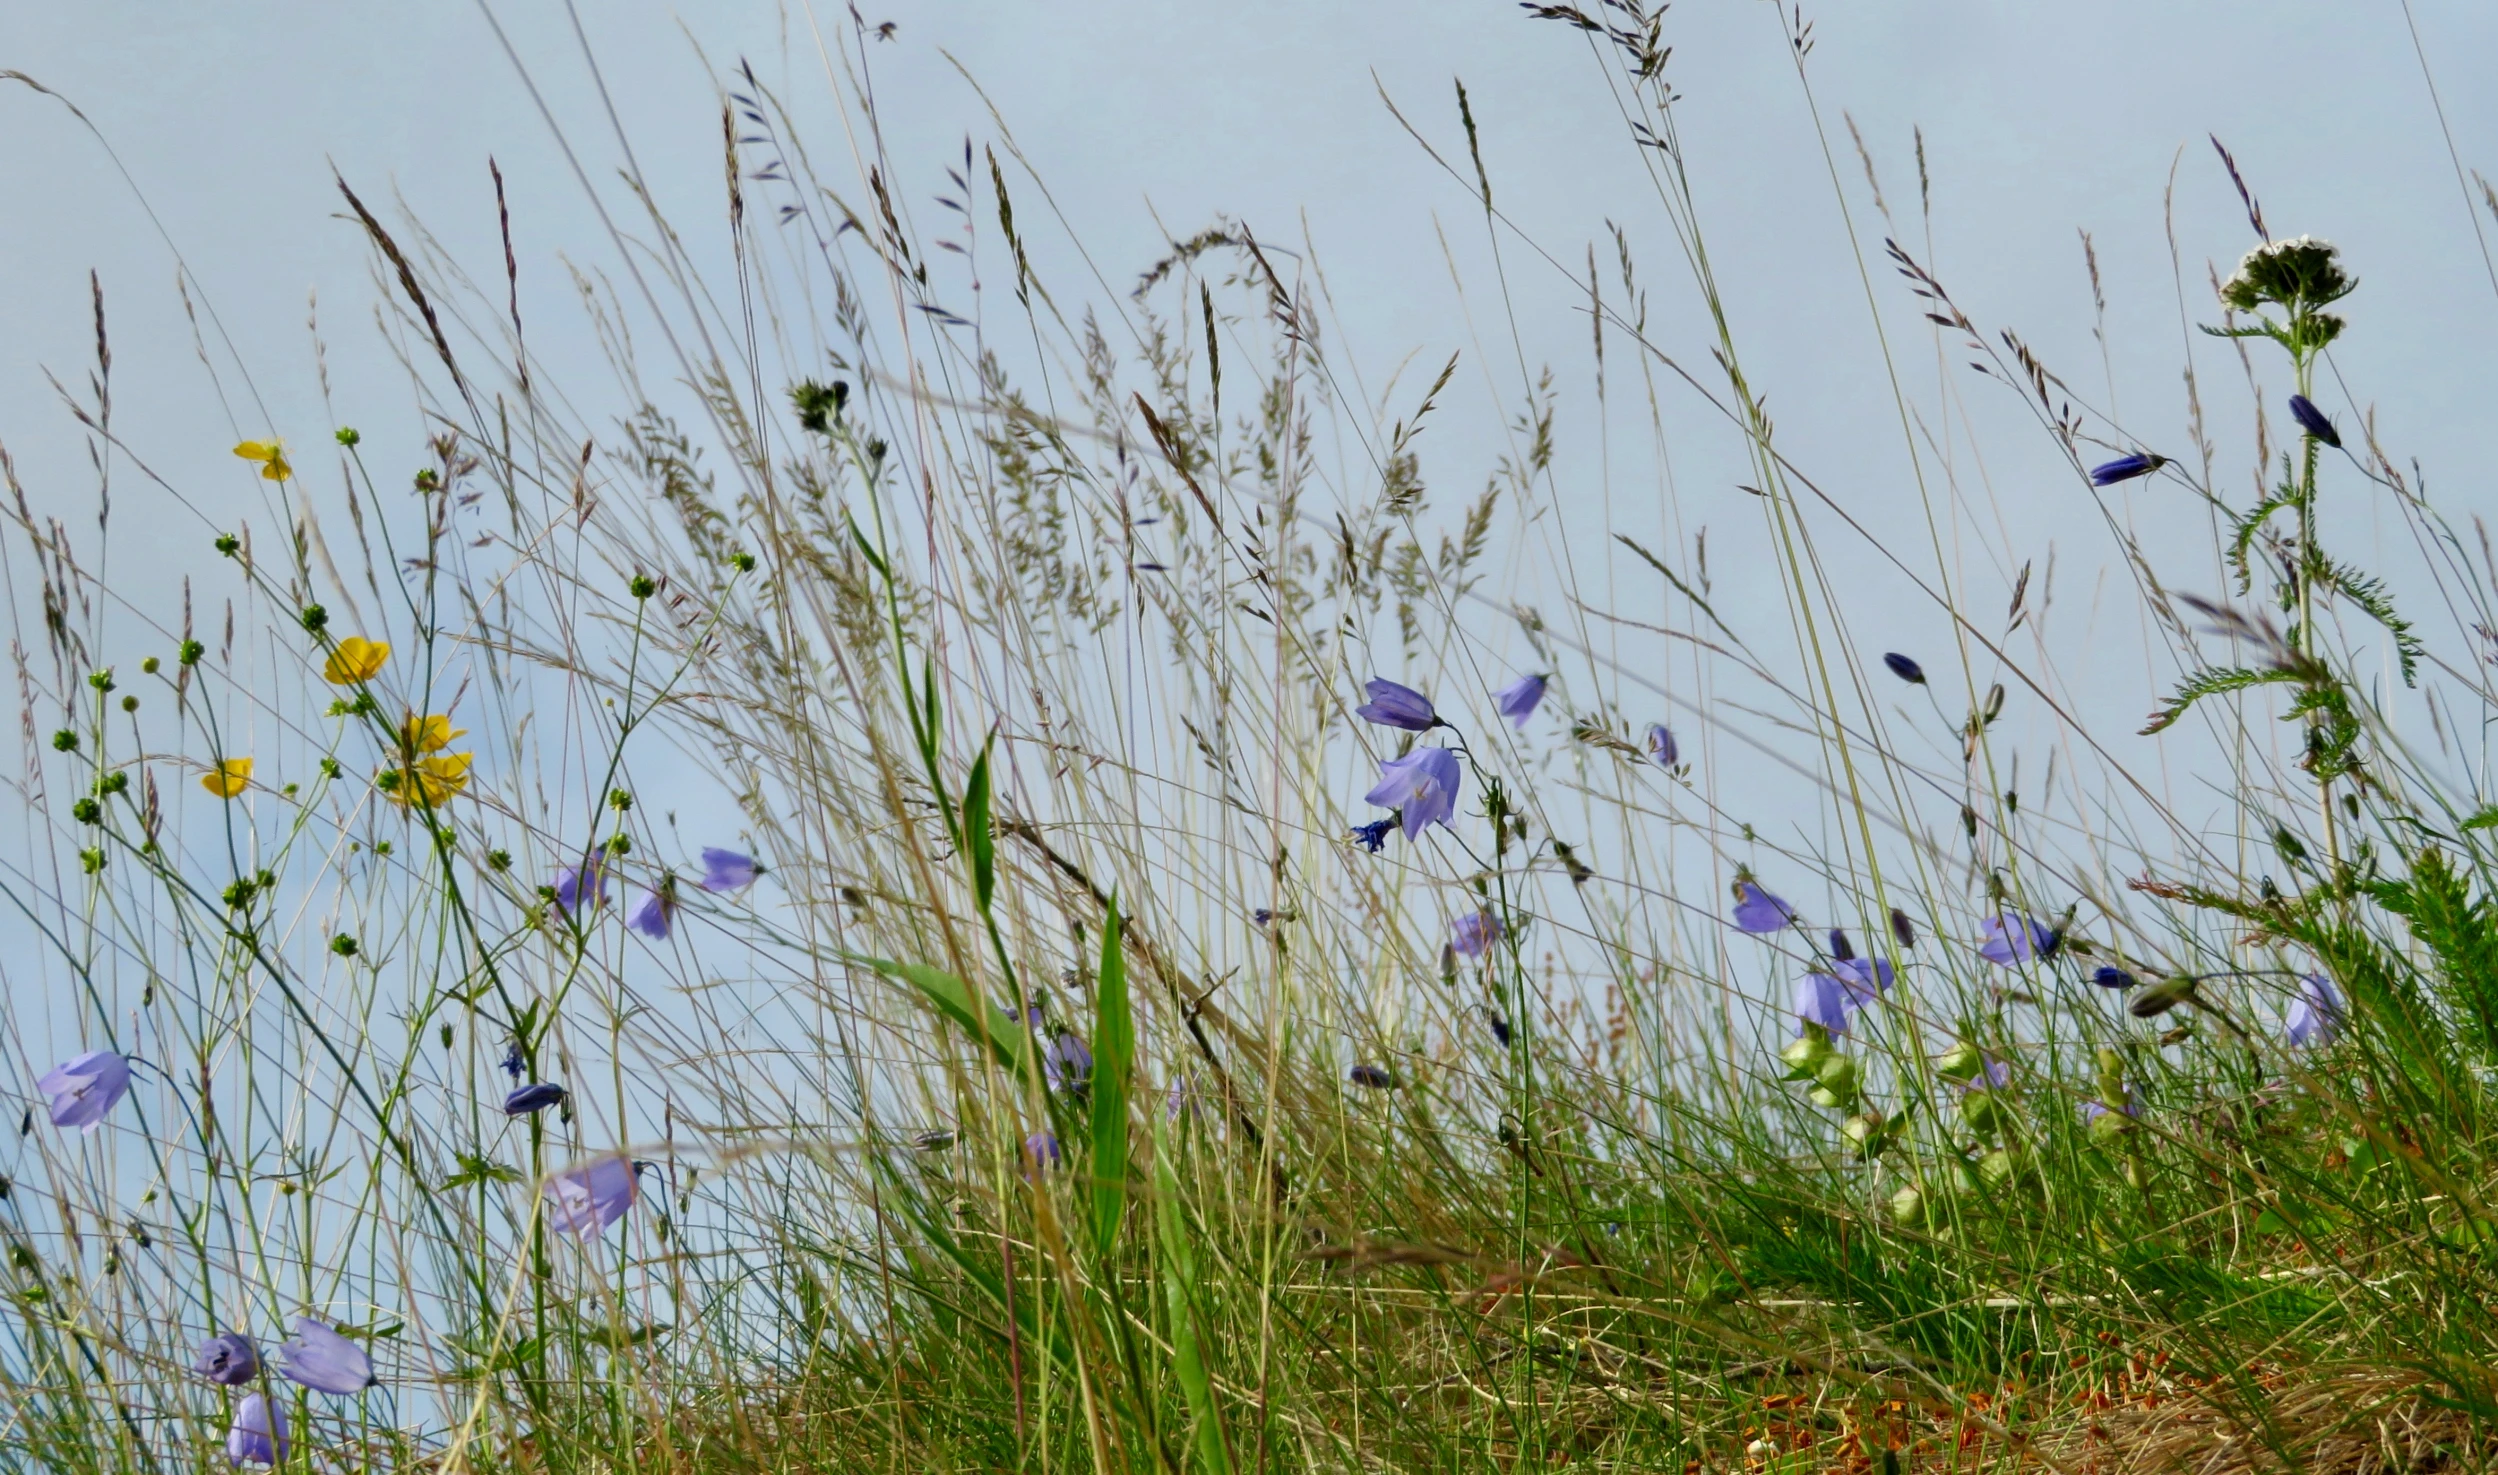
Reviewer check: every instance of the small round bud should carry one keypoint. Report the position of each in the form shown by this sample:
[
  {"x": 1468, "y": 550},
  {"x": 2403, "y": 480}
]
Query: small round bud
[
  {"x": 148, "y": 666},
  {"x": 643, "y": 586},
  {"x": 87, "y": 812},
  {"x": 620, "y": 801},
  {"x": 329, "y": 768},
  {"x": 113, "y": 783},
  {"x": 744, "y": 563},
  {"x": 347, "y": 435},
  {"x": 130, "y": 704},
  {"x": 191, "y": 652},
  {"x": 65, "y": 741},
  {"x": 228, "y": 544},
  {"x": 91, "y": 861},
  {"x": 102, "y": 680},
  {"x": 1908, "y": 1206},
  {"x": 343, "y": 945},
  {"x": 498, "y": 860},
  {"x": 620, "y": 843},
  {"x": 315, "y": 618}
]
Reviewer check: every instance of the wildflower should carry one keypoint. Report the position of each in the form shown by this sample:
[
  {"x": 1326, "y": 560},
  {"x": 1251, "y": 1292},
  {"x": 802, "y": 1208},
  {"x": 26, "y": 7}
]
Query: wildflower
[
  {"x": 2315, "y": 1015},
  {"x": 2105, "y": 1122},
  {"x": 2125, "y": 468},
  {"x": 428, "y": 734},
  {"x": 1840, "y": 948},
  {"x": 228, "y": 1358},
  {"x": 1500, "y": 1026},
  {"x": 1067, "y": 1065},
  {"x": 1905, "y": 669},
  {"x": 431, "y": 780},
  {"x": 1375, "y": 834},
  {"x": 1041, "y": 1149},
  {"x": 271, "y": 454},
  {"x": 230, "y": 777},
  {"x": 356, "y": 659},
  {"x": 1518, "y": 700},
  {"x": 2012, "y": 938},
  {"x": 2108, "y": 975},
  {"x": 84, "y": 1089},
  {"x": 1865, "y": 979},
  {"x": 1821, "y": 999},
  {"x": 727, "y": 870},
  {"x": 1663, "y": 751},
  {"x": 322, "y": 1360},
  {"x": 1374, "y": 1077},
  {"x": 1421, "y": 786},
  {"x": 1391, "y": 705},
  {"x": 533, "y": 1098},
  {"x": 2299, "y": 273},
  {"x": 2313, "y": 421},
  {"x": 1262, "y": 916},
  {"x": 1901, "y": 929},
  {"x": 259, "y": 1433},
  {"x": 1757, "y": 910},
  {"x": 1475, "y": 932},
  {"x": 583, "y": 887},
  {"x": 657, "y": 911},
  {"x": 585, "y": 1200},
  {"x": 513, "y": 1065}
]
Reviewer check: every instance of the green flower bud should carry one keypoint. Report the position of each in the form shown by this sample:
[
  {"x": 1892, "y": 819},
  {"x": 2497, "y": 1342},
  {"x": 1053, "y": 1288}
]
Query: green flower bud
[
  {"x": 1908, "y": 1206},
  {"x": 1961, "y": 1062},
  {"x": 1981, "y": 1111}
]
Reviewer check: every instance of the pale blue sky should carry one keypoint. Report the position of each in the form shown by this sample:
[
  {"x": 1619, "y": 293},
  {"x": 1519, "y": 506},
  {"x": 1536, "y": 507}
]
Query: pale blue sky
[{"x": 2040, "y": 121}]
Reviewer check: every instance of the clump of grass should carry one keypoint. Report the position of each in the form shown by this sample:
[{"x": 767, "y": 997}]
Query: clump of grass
[{"x": 1076, "y": 1085}]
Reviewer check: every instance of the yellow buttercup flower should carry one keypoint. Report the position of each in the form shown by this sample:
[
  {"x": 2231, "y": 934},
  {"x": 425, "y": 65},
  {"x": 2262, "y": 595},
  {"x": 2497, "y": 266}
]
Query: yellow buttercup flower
[
  {"x": 429, "y": 734},
  {"x": 356, "y": 659},
  {"x": 228, "y": 778},
  {"x": 271, "y": 454},
  {"x": 433, "y": 779}
]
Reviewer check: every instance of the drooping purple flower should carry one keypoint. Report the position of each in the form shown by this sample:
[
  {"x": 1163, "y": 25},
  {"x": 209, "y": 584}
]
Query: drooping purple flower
[
  {"x": 1663, "y": 751},
  {"x": 228, "y": 1358},
  {"x": 2316, "y": 1014},
  {"x": 322, "y": 1360},
  {"x": 1865, "y": 979},
  {"x": 259, "y": 1433},
  {"x": 1518, "y": 700},
  {"x": 84, "y": 1089},
  {"x": 1821, "y": 999},
  {"x": 1902, "y": 929},
  {"x": 2313, "y": 421},
  {"x": 2013, "y": 938},
  {"x": 513, "y": 1065},
  {"x": 1373, "y": 835},
  {"x": 1500, "y": 1026},
  {"x": 728, "y": 870},
  {"x": 2125, "y": 468},
  {"x": 583, "y": 887},
  {"x": 2094, "y": 1110},
  {"x": 1993, "y": 1074},
  {"x": 585, "y": 1200},
  {"x": 1840, "y": 947},
  {"x": 2108, "y": 975},
  {"x": 1372, "y": 1077},
  {"x": 1757, "y": 910},
  {"x": 532, "y": 1098},
  {"x": 1473, "y": 933},
  {"x": 1067, "y": 1065},
  {"x": 658, "y": 911},
  {"x": 1391, "y": 705},
  {"x": 1905, "y": 669},
  {"x": 1262, "y": 916},
  {"x": 1042, "y": 1151},
  {"x": 1422, "y": 786}
]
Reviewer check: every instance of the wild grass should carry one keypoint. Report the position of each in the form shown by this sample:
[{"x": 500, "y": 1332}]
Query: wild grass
[{"x": 1072, "y": 1090}]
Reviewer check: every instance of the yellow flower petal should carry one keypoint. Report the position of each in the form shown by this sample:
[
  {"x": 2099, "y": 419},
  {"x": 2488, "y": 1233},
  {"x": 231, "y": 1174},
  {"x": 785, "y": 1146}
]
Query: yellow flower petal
[
  {"x": 434, "y": 779},
  {"x": 429, "y": 734},
  {"x": 276, "y": 468},
  {"x": 228, "y": 778},
  {"x": 254, "y": 450},
  {"x": 356, "y": 659}
]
